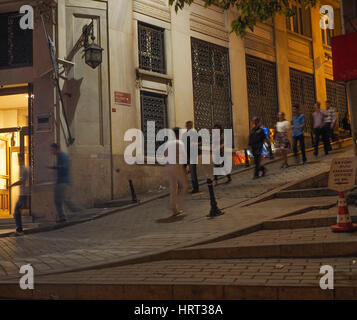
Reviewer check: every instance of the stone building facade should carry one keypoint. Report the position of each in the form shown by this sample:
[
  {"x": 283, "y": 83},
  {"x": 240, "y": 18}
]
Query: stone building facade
[{"x": 157, "y": 65}]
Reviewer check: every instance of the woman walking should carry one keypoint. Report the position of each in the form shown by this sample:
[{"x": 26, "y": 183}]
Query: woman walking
[{"x": 281, "y": 138}]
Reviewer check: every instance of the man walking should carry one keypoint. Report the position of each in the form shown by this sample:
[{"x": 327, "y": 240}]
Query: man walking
[
  {"x": 330, "y": 122},
  {"x": 62, "y": 181},
  {"x": 298, "y": 123},
  {"x": 318, "y": 118},
  {"x": 256, "y": 141},
  {"x": 192, "y": 145},
  {"x": 24, "y": 193},
  {"x": 176, "y": 173}
]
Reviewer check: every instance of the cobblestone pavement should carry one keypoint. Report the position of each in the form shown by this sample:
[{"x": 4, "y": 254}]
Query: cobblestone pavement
[
  {"x": 285, "y": 236},
  {"x": 199, "y": 279},
  {"x": 227, "y": 271},
  {"x": 149, "y": 229}
]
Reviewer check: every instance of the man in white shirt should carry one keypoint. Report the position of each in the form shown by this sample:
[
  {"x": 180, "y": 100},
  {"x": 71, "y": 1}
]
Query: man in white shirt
[
  {"x": 24, "y": 193},
  {"x": 330, "y": 121},
  {"x": 192, "y": 143},
  {"x": 176, "y": 173}
]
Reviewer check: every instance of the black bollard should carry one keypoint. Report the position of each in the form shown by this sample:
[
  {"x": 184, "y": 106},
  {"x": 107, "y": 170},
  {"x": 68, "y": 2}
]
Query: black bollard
[
  {"x": 132, "y": 190},
  {"x": 214, "y": 209},
  {"x": 246, "y": 158},
  {"x": 271, "y": 155}
]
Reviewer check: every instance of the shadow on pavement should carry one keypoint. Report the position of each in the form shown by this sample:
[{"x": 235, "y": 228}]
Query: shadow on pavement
[{"x": 171, "y": 219}]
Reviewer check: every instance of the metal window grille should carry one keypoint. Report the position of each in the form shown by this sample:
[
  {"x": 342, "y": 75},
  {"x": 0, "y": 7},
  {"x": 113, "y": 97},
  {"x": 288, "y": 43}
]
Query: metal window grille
[
  {"x": 151, "y": 48},
  {"x": 211, "y": 85},
  {"x": 17, "y": 41},
  {"x": 153, "y": 108},
  {"x": 262, "y": 90},
  {"x": 302, "y": 86},
  {"x": 336, "y": 93}
]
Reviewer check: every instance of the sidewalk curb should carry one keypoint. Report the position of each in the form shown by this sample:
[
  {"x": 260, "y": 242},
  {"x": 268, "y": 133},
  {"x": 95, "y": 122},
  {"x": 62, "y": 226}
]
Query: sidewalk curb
[
  {"x": 185, "y": 291},
  {"x": 316, "y": 222}
]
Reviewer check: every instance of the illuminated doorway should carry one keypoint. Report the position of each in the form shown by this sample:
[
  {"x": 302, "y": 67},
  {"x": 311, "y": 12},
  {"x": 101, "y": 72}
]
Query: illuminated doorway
[{"x": 14, "y": 140}]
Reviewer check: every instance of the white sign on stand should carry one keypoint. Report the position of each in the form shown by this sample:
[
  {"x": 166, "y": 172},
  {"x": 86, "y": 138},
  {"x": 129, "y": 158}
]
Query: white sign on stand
[{"x": 342, "y": 174}]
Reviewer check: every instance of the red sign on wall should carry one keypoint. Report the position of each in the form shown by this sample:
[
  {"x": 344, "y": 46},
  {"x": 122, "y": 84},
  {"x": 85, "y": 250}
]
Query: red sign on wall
[
  {"x": 344, "y": 53},
  {"x": 122, "y": 98}
]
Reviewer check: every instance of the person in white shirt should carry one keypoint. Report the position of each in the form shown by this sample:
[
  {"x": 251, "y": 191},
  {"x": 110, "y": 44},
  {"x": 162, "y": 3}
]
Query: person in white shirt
[
  {"x": 192, "y": 144},
  {"x": 24, "y": 193},
  {"x": 175, "y": 172},
  {"x": 281, "y": 138},
  {"x": 330, "y": 122}
]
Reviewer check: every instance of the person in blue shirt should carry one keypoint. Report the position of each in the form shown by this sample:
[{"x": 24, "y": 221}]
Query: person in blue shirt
[
  {"x": 298, "y": 124},
  {"x": 62, "y": 181}
]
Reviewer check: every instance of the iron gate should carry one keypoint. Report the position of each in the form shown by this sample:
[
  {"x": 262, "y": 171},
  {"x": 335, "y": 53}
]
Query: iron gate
[
  {"x": 262, "y": 90},
  {"x": 336, "y": 93},
  {"x": 153, "y": 108},
  {"x": 211, "y": 85},
  {"x": 302, "y": 86}
]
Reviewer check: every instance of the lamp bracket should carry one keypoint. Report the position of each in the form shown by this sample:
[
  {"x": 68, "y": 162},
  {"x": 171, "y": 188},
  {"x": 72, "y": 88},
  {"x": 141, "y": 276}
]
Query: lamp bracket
[{"x": 81, "y": 42}]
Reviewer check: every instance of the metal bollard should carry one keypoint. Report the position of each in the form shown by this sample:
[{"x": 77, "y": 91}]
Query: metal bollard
[
  {"x": 132, "y": 190},
  {"x": 214, "y": 209},
  {"x": 246, "y": 158},
  {"x": 271, "y": 155}
]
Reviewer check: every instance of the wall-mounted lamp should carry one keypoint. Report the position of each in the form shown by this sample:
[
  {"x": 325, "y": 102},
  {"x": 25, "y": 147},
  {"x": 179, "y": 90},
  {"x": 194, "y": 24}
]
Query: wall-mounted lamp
[{"x": 92, "y": 52}]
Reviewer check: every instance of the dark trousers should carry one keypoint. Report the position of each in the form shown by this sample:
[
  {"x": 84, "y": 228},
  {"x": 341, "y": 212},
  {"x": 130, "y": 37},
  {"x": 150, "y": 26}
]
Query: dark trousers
[
  {"x": 301, "y": 140},
  {"x": 194, "y": 180},
  {"x": 321, "y": 132},
  {"x": 17, "y": 215},
  {"x": 330, "y": 134},
  {"x": 61, "y": 199},
  {"x": 257, "y": 154}
]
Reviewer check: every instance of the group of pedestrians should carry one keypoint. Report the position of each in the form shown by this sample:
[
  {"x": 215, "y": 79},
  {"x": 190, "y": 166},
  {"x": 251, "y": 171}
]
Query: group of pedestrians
[
  {"x": 323, "y": 123},
  {"x": 62, "y": 168},
  {"x": 191, "y": 144}
]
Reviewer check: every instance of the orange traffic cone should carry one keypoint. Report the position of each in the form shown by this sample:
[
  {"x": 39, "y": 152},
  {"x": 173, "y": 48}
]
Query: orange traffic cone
[{"x": 344, "y": 221}]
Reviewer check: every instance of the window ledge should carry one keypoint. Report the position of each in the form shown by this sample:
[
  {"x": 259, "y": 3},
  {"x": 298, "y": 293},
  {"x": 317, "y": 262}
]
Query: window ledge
[
  {"x": 142, "y": 72},
  {"x": 299, "y": 35}
]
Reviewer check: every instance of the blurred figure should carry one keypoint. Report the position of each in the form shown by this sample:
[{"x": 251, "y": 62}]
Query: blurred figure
[
  {"x": 346, "y": 123},
  {"x": 256, "y": 140},
  {"x": 175, "y": 172},
  {"x": 298, "y": 123},
  {"x": 318, "y": 118},
  {"x": 330, "y": 122},
  {"x": 24, "y": 193},
  {"x": 268, "y": 143},
  {"x": 282, "y": 139},
  {"x": 62, "y": 182},
  {"x": 191, "y": 139},
  {"x": 221, "y": 152}
]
